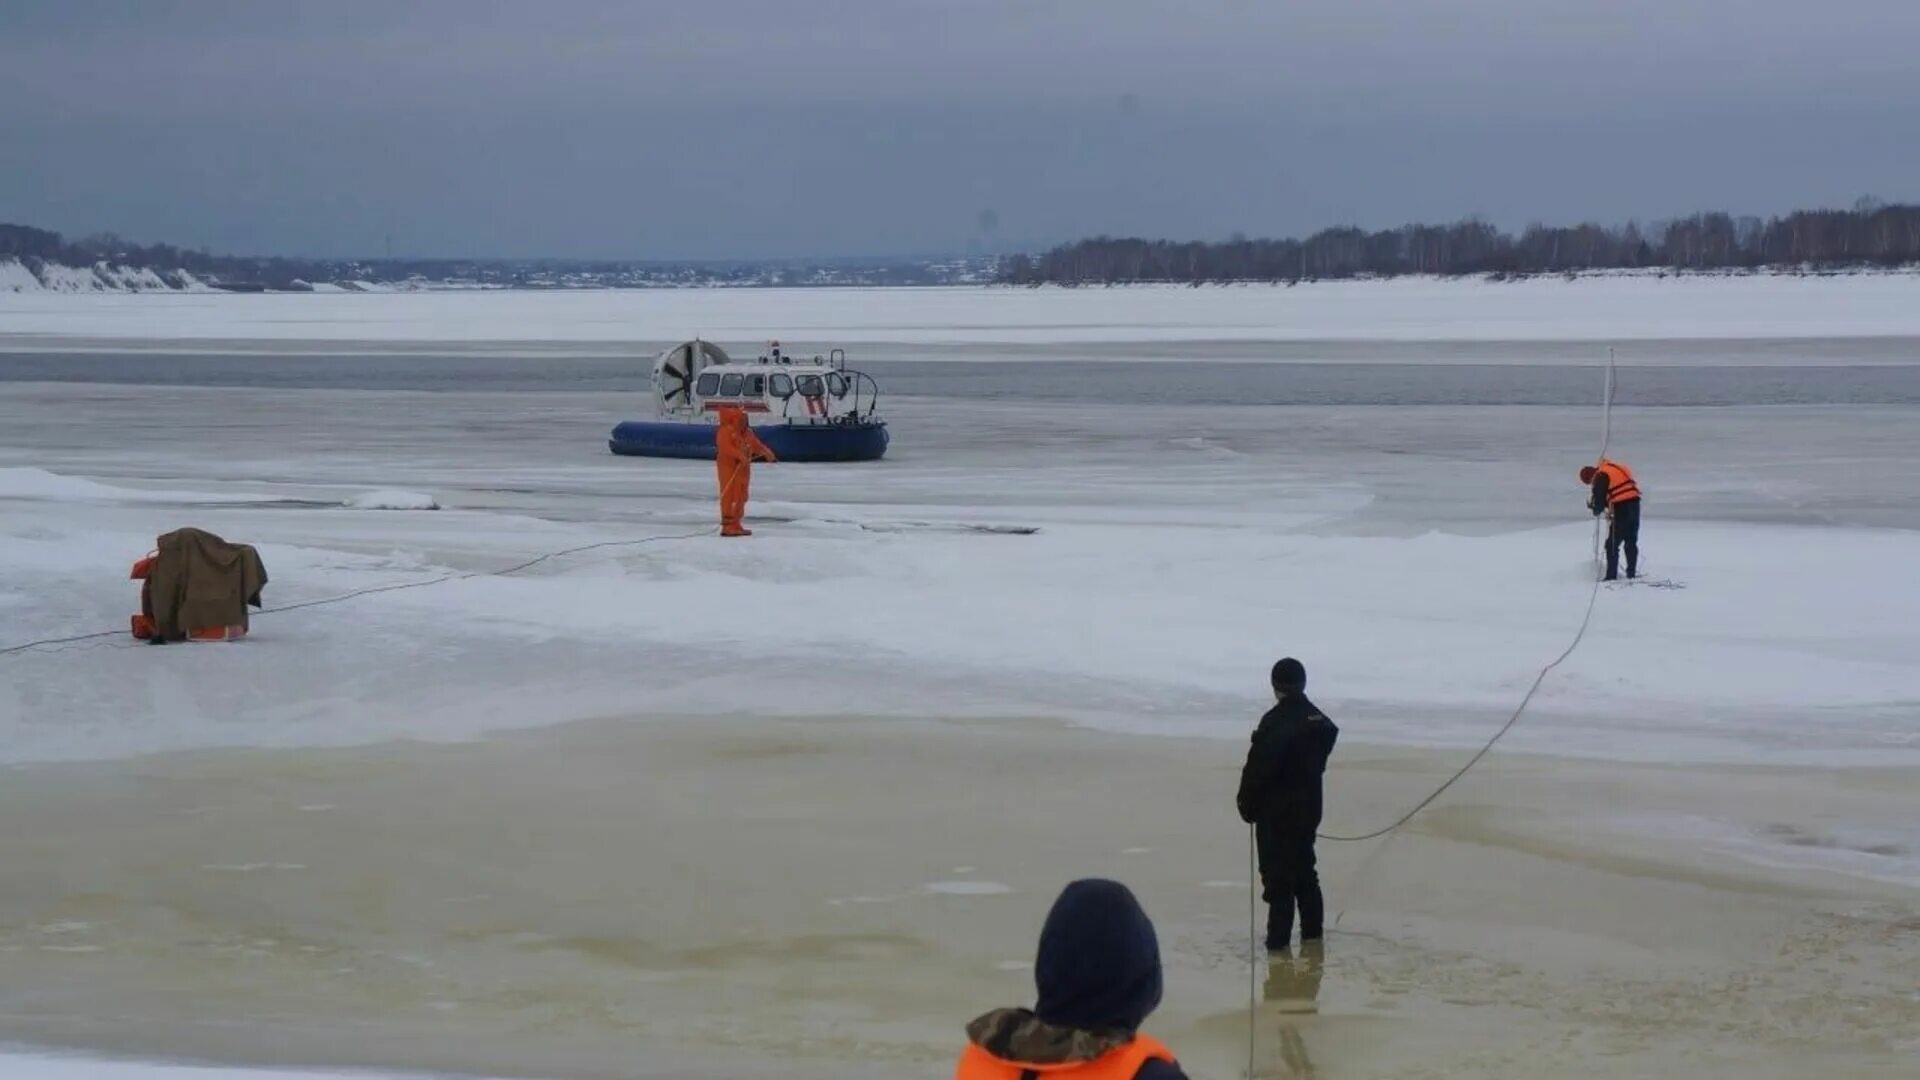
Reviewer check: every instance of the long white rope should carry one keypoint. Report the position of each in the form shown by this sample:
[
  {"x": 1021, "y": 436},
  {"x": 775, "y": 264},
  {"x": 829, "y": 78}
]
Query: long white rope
[
  {"x": 1586, "y": 619},
  {"x": 1253, "y": 947}
]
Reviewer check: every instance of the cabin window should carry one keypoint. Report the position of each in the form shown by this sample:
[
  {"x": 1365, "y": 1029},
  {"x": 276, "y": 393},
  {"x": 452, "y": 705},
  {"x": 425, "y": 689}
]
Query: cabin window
[
  {"x": 782, "y": 384},
  {"x": 837, "y": 383},
  {"x": 730, "y": 385},
  {"x": 756, "y": 386},
  {"x": 708, "y": 385},
  {"x": 809, "y": 386}
]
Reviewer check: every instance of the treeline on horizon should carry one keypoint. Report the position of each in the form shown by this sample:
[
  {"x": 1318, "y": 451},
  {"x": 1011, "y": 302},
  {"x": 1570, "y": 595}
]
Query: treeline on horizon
[
  {"x": 36, "y": 247},
  {"x": 1870, "y": 235},
  {"x": 32, "y": 246}
]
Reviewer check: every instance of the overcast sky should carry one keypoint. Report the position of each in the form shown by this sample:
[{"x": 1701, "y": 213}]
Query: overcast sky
[{"x": 725, "y": 128}]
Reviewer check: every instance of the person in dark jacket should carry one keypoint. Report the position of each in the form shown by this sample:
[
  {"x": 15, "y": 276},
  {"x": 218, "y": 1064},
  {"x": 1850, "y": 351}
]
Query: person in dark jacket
[
  {"x": 1098, "y": 977},
  {"x": 1280, "y": 796}
]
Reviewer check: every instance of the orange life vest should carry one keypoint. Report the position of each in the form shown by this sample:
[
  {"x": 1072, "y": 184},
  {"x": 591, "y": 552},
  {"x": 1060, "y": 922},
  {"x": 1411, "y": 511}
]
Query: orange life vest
[
  {"x": 1120, "y": 1063},
  {"x": 1622, "y": 488},
  {"x": 142, "y": 624}
]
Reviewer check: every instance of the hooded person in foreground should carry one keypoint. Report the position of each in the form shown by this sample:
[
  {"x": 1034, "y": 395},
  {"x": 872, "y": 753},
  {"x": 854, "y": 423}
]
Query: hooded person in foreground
[{"x": 1098, "y": 976}]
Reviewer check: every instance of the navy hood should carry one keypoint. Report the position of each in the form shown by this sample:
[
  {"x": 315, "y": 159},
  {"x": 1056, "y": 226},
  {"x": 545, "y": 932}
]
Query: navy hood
[{"x": 1099, "y": 961}]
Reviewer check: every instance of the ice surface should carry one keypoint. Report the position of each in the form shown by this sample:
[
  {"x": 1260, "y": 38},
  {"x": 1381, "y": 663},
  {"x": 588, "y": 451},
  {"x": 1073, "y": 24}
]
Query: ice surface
[
  {"x": 24, "y": 1066},
  {"x": 41, "y": 485},
  {"x": 1148, "y": 602},
  {"x": 1882, "y": 854},
  {"x": 967, "y": 888},
  {"x": 1427, "y": 560},
  {"x": 393, "y": 500},
  {"x": 1613, "y": 308}
]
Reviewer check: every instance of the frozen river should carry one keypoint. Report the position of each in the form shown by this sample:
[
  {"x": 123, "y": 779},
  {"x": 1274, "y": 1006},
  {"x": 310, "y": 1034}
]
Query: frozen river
[
  {"x": 1836, "y": 372},
  {"x": 1373, "y": 488},
  {"x": 1383, "y": 484}
]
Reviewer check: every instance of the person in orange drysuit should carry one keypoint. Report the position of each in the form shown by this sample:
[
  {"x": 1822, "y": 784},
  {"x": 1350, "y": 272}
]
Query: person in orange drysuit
[{"x": 735, "y": 446}]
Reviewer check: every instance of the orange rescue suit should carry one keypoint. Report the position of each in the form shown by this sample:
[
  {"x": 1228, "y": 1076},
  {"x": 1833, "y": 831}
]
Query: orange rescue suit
[
  {"x": 1621, "y": 487},
  {"x": 1120, "y": 1063},
  {"x": 735, "y": 447}
]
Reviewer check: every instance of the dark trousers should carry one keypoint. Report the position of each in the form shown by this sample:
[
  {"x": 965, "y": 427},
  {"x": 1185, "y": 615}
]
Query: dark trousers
[
  {"x": 1625, "y": 531},
  {"x": 1288, "y": 877}
]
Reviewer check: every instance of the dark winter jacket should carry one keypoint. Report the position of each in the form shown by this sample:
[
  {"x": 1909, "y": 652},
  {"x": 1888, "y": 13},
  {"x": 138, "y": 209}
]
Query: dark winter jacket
[
  {"x": 1098, "y": 977},
  {"x": 1598, "y": 498},
  {"x": 1286, "y": 762}
]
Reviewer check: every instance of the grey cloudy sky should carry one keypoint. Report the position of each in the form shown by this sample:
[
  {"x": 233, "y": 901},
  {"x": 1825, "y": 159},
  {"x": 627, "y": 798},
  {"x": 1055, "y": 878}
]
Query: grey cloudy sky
[{"x": 723, "y": 128}]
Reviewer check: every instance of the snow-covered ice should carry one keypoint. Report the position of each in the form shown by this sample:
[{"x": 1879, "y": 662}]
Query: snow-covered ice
[
  {"x": 39, "y": 485},
  {"x": 1727, "y": 669},
  {"x": 1413, "y": 554},
  {"x": 25, "y": 1066},
  {"x": 1599, "y": 309}
]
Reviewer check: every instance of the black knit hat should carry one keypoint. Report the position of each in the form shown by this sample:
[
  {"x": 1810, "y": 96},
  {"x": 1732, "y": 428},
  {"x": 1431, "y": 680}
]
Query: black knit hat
[{"x": 1289, "y": 674}]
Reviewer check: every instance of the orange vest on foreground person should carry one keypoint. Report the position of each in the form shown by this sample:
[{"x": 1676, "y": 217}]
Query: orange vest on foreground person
[
  {"x": 1622, "y": 487},
  {"x": 1120, "y": 1063}
]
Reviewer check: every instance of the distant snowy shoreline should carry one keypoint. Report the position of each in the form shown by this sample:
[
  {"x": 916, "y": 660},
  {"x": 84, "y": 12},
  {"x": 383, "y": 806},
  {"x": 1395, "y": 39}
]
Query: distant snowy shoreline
[
  {"x": 101, "y": 277},
  {"x": 1504, "y": 277},
  {"x": 45, "y": 277},
  {"x": 1176, "y": 319}
]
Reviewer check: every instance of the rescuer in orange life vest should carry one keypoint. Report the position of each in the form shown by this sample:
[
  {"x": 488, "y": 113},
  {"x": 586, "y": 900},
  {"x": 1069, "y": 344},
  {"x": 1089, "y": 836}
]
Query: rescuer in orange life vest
[
  {"x": 1098, "y": 974},
  {"x": 1614, "y": 493},
  {"x": 735, "y": 446}
]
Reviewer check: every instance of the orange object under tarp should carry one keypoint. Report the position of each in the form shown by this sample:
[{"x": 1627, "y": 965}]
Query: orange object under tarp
[{"x": 202, "y": 575}]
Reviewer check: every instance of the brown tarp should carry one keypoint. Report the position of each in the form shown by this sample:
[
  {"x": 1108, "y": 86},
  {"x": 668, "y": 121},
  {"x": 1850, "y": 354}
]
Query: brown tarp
[{"x": 200, "y": 581}]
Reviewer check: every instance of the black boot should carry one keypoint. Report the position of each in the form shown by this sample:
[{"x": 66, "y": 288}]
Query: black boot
[{"x": 1279, "y": 931}]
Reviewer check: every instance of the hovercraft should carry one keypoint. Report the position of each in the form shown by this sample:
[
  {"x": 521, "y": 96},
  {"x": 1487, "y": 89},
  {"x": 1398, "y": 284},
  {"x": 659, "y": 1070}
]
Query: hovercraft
[{"x": 804, "y": 409}]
